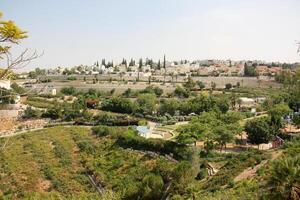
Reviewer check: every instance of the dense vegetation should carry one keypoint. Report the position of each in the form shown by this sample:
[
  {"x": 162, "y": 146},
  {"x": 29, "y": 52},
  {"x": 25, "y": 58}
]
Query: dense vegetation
[{"x": 61, "y": 159}]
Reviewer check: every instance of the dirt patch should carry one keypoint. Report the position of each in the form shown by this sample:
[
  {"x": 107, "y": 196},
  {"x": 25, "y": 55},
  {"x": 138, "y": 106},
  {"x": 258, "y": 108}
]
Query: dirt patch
[
  {"x": 43, "y": 185},
  {"x": 151, "y": 163},
  {"x": 251, "y": 171},
  {"x": 7, "y": 124}
]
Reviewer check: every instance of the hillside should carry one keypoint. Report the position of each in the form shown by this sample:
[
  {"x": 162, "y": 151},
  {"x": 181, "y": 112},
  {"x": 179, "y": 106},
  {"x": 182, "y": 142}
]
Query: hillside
[
  {"x": 51, "y": 164},
  {"x": 78, "y": 163}
]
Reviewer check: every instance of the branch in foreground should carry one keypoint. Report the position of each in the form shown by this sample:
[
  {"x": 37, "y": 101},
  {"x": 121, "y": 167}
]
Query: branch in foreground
[{"x": 19, "y": 62}]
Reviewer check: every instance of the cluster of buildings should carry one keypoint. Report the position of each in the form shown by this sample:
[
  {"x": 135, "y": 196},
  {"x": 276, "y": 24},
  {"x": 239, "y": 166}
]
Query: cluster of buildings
[{"x": 197, "y": 68}]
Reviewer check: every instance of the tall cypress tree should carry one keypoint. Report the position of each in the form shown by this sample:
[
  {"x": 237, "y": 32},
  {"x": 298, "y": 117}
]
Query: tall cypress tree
[
  {"x": 158, "y": 65},
  {"x": 164, "y": 68}
]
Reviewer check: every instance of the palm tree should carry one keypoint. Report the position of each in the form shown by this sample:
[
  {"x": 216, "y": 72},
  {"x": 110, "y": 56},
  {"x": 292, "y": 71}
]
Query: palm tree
[{"x": 284, "y": 179}]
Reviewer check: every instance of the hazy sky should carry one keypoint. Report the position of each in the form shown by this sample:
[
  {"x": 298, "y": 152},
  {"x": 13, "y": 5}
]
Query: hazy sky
[{"x": 72, "y": 32}]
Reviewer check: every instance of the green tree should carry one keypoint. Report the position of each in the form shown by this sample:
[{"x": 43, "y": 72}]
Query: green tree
[
  {"x": 201, "y": 85},
  {"x": 168, "y": 106},
  {"x": 146, "y": 103},
  {"x": 296, "y": 120},
  {"x": 30, "y": 113},
  {"x": 152, "y": 186},
  {"x": 18, "y": 89},
  {"x": 187, "y": 138},
  {"x": 233, "y": 100},
  {"x": 183, "y": 175},
  {"x": 118, "y": 104},
  {"x": 259, "y": 131},
  {"x": 222, "y": 104},
  {"x": 228, "y": 86},
  {"x": 284, "y": 179},
  {"x": 250, "y": 70},
  {"x": 54, "y": 112},
  {"x": 68, "y": 91},
  {"x": 181, "y": 92},
  {"x": 223, "y": 136},
  {"x": 158, "y": 65},
  {"x": 189, "y": 84},
  {"x": 277, "y": 112}
]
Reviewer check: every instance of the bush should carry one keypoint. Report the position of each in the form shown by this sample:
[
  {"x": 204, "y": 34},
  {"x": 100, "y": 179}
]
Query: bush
[
  {"x": 117, "y": 104},
  {"x": 102, "y": 131},
  {"x": 30, "y": 113},
  {"x": 68, "y": 91},
  {"x": 86, "y": 146},
  {"x": 72, "y": 78}
]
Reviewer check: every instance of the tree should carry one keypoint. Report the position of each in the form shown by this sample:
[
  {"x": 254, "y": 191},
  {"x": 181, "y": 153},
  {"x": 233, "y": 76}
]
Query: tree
[
  {"x": 118, "y": 104},
  {"x": 213, "y": 85},
  {"x": 164, "y": 66},
  {"x": 30, "y": 113},
  {"x": 158, "y": 65},
  {"x": 187, "y": 138},
  {"x": 279, "y": 110},
  {"x": 258, "y": 131},
  {"x": 296, "y": 120},
  {"x": 154, "y": 90},
  {"x": 201, "y": 85},
  {"x": 181, "y": 92},
  {"x": 158, "y": 91},
  {"x": 103, "y": 63},
  {"x": 18, "y": 89},
  {"x": 140, "y": 63},
  {"x": 128, "y": 93},
  {"x": 168, "y": 106},
  {"x": 233, "y": 100},
  {"x": 54, "y": 112},
  {"x": 11, "y": 34},
  {"x": 223, "y": 136},
  {"x": 68, "y": 91},
  {"x": 189, "y": 84},
  {"x": 228, "y": 86},
  {"x": 284, "y": 179},
  {"x": 231, "y": 117},
  {"x": 183, "y": 175},
  {"x": 222, "y": 104},
  {"x": 146, "y": 103},
  {"x": 250, "y": 70},
  {"x": 152, "y": 186}
]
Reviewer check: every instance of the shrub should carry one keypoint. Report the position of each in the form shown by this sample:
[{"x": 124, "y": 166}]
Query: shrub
[
  {"x": 68, "y": 91},
  {"x": 72, "y": 78},
  {"x": 102, "y": 131},
  {"x": 117, "y": 104}
]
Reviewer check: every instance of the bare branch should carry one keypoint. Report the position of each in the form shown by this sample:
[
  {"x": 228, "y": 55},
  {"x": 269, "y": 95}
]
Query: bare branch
[{"x": 19, "y": 62}]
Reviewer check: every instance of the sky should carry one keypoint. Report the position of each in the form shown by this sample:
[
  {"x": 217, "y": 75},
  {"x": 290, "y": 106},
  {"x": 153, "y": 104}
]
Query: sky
[{"x": 73, "y": 32}]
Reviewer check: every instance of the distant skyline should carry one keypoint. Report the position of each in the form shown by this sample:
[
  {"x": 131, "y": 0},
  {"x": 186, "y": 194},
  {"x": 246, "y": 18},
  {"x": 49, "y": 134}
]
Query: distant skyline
[{"x": 73, "y": 32}]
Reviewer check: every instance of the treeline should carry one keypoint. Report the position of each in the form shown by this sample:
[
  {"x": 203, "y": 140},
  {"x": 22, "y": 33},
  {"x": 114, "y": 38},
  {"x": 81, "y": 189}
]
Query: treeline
[{"x": 148, "y": 104}]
